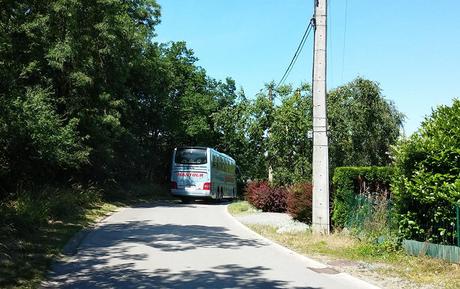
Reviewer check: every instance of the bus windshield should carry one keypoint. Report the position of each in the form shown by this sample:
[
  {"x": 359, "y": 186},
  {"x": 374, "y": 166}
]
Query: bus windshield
[{"x": 191, "y": 156}]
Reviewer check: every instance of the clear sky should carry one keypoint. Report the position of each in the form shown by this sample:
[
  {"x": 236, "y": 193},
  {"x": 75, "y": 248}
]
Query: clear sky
[{"x": 411, "y": 47}]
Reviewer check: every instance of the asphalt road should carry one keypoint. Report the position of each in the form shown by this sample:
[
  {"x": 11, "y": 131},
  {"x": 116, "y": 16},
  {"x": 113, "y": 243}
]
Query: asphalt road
[{"x": 187, "y": 246}]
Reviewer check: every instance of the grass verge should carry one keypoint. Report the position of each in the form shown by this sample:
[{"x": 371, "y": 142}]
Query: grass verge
[
  {"x": 241, "y": 208},
  {"x": 35, "y": 227},
  {"x": 382, "y": 262}
]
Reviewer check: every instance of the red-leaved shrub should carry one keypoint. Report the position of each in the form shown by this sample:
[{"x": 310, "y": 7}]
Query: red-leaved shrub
[
  {"x": 265, "y": 197},
  {"x": 299, "y": 202}
]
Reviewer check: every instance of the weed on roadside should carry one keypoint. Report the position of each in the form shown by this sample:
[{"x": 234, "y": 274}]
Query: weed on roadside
[
  {"x": 390, "y": 263},
  {"x": 241, "y": 208},
  {"x": 35, "y": 227},
  {"x": 365, "y": 255}
]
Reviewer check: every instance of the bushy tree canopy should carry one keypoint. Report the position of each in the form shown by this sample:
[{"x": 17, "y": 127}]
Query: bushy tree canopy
[
  {"x": 88, "y": 95},
  {"x": 362, "y": 123},
  {"x": 427, "y": 177},
  {"x": 362, "y": 127}
]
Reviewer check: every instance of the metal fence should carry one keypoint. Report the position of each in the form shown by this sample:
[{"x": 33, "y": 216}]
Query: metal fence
[
  {"x": 457, "y": 224},
  {"x": 372, "y": 216},
  {"x": 376, "y": 215}
]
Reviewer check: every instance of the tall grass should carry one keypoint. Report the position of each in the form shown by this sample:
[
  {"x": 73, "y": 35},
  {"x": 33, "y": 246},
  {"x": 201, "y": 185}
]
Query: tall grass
[
  {"x": 373, "y": 220},
  {"x": 35, "y": 226}
]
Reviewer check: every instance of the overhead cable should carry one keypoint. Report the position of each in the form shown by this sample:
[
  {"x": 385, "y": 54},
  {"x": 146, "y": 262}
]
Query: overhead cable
[{"x": 297, "y": 52}]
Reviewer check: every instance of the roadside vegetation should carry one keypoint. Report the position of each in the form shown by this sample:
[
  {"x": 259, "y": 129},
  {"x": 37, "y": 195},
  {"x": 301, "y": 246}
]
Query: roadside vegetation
[
  {"x": 361, "y": 257},
  {"x": 241, "y": 208},
  {"x": 35, "y": 227},
  {"x": 380, "y": 259},
  {"x": 35, "y": 230},
  {"x": 381, "y": 212}
]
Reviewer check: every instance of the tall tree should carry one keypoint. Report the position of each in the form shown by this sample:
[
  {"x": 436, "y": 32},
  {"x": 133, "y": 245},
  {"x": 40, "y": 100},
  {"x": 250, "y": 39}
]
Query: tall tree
[
  {"x": 363, "y": 124},
  {"x": 289, "y": 145}
]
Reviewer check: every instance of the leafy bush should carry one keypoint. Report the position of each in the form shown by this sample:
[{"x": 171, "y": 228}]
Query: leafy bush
[
  {"x": 299, "y": 202},
  {"x": 426, "y": 183},
  {"x": 28, "y": 210},
  {"x": 350, "y": 182},
  {"x": 265, "y": 197},
  {"x": 65, "y": 203}
]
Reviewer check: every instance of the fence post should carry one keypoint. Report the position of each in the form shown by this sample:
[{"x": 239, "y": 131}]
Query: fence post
[{"x": 457, "y": 228}]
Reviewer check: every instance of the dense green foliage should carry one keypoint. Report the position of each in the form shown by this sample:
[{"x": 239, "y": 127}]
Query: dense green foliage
[
  {"x": 371, "y": 183},
  {"x": 363, "y": 125},
  {"x": 289, "y": 147},
  {"x": 36, "y": 229},
  {"x": 426, "y": 184},
  {"x": 87, "y": 95}
]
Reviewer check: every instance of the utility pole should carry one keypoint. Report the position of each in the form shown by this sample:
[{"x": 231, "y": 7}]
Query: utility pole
[
  {"x": 270, "y": 169},
  {"x": 320, "y": 220}
]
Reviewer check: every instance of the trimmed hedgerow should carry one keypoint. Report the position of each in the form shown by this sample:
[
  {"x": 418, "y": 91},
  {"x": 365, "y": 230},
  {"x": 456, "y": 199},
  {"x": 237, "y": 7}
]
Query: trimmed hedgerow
[
  {"x": 266, "y": 197},
  {"x": 299, "y": 202},
  {"x": 426, "y": 184},
  {"x": 350, "y": 182}
]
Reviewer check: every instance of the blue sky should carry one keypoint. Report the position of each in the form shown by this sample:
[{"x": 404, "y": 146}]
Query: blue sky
[{"x": 412, "y": 48}]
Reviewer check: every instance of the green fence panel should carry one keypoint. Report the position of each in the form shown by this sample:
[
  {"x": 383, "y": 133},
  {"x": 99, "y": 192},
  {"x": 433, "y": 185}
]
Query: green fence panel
[
  {"x": 445, "y": 252},
  {"x": 457, "y": 210}
]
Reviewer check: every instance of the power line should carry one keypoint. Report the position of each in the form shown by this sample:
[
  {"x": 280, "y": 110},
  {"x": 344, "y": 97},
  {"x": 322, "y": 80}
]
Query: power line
[{"x": 297, "y": 52}]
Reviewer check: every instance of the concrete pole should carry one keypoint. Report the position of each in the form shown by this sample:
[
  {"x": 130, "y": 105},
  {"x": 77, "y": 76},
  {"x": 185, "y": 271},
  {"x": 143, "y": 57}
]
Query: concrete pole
[
  {"x": 270, "y": 168},
  {"x": 320, "y": 221}
]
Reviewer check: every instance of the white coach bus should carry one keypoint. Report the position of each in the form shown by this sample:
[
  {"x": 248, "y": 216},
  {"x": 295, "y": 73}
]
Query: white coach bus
[{"x": 202, "y": 172}]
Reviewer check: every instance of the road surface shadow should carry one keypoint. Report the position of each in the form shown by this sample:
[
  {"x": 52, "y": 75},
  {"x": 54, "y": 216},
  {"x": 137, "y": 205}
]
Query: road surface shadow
[
  {"x": 110, "y": 256},
  {"x": 166, "y": 237},
  {"x": 124, "y": 276}
]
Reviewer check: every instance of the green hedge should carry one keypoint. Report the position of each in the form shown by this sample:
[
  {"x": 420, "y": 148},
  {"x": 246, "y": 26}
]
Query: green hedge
[
  {"x": 426, "y": 183},
  {"x": 346, "y": 182}
]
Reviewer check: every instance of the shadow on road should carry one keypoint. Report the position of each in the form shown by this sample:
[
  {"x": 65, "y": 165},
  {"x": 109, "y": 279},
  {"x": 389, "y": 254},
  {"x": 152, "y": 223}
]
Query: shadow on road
[
  {"x": 166, "y": 237},
  {"x": 124, "y": 276},
  {"x": 110, "y": 258}
]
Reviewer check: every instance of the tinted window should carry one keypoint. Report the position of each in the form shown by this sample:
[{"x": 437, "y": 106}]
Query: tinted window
[{"x": 191, "y": 156}]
